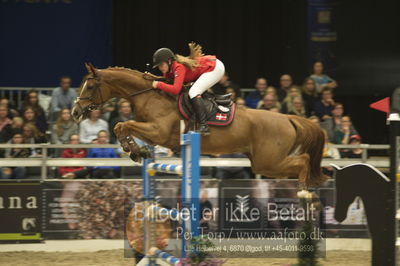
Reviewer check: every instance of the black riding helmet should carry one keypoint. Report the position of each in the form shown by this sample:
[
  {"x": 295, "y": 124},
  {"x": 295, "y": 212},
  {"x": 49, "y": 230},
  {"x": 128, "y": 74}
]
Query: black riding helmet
[{"x": 162, "y": 55}]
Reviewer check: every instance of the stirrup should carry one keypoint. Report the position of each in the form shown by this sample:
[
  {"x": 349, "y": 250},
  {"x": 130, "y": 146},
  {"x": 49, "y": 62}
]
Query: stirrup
[
  {"x": 221, "y": 97},
  {"x": 204, "y": 129}
]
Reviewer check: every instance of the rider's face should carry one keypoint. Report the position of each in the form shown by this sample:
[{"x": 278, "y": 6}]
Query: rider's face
[{"x": 163, "y": 67}]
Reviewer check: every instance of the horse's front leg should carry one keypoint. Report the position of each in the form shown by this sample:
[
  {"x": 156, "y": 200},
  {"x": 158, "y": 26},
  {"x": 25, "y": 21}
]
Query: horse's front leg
[{"x": 125, "y": 131}]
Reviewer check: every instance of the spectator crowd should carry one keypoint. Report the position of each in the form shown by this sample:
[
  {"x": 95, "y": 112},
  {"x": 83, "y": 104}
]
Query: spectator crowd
[{"x": 35, "y": 123}]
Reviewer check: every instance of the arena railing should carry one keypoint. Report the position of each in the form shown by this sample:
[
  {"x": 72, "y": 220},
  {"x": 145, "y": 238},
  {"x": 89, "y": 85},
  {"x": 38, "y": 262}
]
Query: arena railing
[
  {"x": 45, "y": 161},
  {"x": 17, "y": 93}
]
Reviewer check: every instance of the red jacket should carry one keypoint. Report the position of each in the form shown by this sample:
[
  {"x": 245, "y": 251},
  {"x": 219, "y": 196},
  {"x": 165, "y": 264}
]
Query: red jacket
[
  {"x": 182, "y": 74},
  {"x": 69, "y": 153}
]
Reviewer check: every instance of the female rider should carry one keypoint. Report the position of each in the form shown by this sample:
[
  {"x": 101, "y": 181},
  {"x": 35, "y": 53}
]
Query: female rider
[{"x": 204, "y": 70}]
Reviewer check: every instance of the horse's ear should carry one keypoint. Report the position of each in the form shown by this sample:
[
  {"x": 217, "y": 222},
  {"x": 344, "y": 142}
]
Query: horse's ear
[
  {"x": 87, "y": 67},
  {"x": 91, "y": 69}
]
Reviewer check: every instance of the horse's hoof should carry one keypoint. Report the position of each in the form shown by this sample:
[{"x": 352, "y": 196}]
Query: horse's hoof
[
  {"x": 135, "y": 157},
  {"x": 125, "y": 147},
  {"x": 304, "y": 194},
  {"x": 145, "y": 152}
]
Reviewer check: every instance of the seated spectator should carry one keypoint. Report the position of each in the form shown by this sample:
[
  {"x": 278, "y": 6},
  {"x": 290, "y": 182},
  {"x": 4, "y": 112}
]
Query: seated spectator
[
  {"x": 353, "y": 153},
  {"x": 285, "y": 83},
  {"x": 29, "y": 115},
  {"x": 342, "y": 135},
  {"x": 32, "y": 100},
  {"x": 72, "y": 153},
  {"x": 125, "y": 114},
  {"x": 323, "y": 108},
  {"x": 89, "y": 127},
  {"x": 15, "y": 172},
  {"x": 255, "y": 96},
  {"x": 99, "y": 172},
  {"x": 287, "y": 103},
  {"x": 333, "y": 124},
  {"x": 240, "y": 102},
  {"x": 17, "y": 124},
  {"x": 310, "y": 95},
  {"x": 314, "y": 119},
  {"x": 232, "y": 172},
  {"x": 225, "y": 83},
  {"x": 11, "y": 111},
  {"x": 322, "y": 81},
  {"x": 5, "y": 125},
  {"x": 329, "y": 151},
  {"x": 297, "y": 107},
  {"x": 271, "y": 90},
  {"x": 32, "y": 135},
  {"x": 63, "y": 128},
  {"x": 109, "y": 110},
  {"x": 269, "y": 101},
  {"x": 63, "y": 97}
]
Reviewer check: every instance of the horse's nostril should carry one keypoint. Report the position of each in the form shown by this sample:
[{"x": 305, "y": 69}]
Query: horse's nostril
[{"x": 75, "y": 112}]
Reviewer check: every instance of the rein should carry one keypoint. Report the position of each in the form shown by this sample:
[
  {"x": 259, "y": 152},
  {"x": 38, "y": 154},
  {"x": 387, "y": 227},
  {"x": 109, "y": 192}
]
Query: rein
[
  {"x": 146, "y": 76},
  {"x": 94, "y": 106}
]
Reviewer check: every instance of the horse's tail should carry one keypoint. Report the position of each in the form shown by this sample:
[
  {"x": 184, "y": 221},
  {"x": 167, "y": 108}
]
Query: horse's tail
[{"x": 311, "y": 140}]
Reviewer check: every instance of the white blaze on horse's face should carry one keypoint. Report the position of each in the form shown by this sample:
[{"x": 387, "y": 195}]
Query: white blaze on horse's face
[
  {"x": 77, "y": 112},
  {"x": 82, "y": 90},
  {"x": 83, "y": 87}
]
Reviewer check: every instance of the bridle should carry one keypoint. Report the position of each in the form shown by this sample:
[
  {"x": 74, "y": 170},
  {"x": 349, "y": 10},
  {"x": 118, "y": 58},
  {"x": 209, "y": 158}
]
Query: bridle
[
  {"x": 92, "y": 106},
  {"x": 97, "y": 88}
]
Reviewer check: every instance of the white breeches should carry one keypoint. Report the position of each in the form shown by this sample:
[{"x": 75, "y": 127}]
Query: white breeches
[{"x": 207, "y": 80}]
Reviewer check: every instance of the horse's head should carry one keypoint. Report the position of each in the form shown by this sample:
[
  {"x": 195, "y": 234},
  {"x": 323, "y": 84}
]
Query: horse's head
[{"x": 92, "y": 93}]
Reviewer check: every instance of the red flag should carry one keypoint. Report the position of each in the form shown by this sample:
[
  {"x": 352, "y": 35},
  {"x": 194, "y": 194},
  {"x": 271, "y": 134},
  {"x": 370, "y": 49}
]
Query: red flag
[{"x": 381, "y": 105}]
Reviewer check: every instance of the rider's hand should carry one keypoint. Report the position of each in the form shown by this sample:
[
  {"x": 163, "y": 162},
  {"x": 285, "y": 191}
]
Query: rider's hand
[{"x": 154, "y": 84}]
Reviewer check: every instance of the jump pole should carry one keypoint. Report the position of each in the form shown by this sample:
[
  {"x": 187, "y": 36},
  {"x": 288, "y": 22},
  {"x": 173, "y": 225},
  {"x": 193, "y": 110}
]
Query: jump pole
[
  {"x": 190, "y": 192},
  {"x": 393, "y": 204}
]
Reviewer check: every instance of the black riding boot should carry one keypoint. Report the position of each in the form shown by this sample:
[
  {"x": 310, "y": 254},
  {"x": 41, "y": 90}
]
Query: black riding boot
[{"x": 200, "y": 110}]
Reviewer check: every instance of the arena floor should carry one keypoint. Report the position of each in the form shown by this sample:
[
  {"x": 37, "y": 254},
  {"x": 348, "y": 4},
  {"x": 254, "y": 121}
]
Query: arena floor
[
  {"x": 110, "y": 253},
  {"x": 115, "y": 257}
]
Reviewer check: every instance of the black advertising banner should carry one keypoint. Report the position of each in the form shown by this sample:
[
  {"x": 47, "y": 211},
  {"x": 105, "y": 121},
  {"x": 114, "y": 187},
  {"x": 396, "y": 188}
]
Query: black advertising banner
[
  {"x": 267, "y": 218},
  {"x": 275, "y": 202},
  {"x": 20, "y": 211},
  {"x": 72, "y": 209}
]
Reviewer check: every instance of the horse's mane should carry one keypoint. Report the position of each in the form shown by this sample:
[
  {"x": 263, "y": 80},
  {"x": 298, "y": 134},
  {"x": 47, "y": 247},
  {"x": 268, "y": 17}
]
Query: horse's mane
[
  {"x": 132, "y": 71},
  {"x": 139, "y": 74}
]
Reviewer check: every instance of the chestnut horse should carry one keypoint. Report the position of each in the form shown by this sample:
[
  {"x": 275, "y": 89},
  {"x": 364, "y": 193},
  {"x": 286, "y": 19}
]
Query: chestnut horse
[{"x": 277, "y": 145}]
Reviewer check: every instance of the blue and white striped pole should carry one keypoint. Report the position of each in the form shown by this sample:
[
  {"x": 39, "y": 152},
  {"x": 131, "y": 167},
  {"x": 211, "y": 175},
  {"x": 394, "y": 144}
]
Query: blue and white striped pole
[
  {"x": 149, "y": 196},
  {"x": 190, "y": 146},
  {"x": 190, "y": 188},
  {"x": 166, "y": 168},
  {"x": 165, "y": 256}
]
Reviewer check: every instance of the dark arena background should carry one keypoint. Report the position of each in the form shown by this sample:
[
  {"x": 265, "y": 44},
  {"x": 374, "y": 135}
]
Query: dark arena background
[{"x": 69, "y": 187}]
